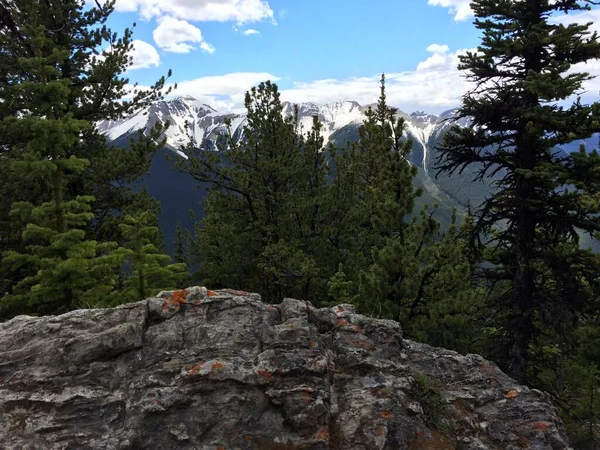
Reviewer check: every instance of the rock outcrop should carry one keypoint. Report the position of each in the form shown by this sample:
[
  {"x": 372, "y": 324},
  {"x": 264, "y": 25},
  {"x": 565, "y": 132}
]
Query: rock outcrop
[{"x": 220, "y": 370}]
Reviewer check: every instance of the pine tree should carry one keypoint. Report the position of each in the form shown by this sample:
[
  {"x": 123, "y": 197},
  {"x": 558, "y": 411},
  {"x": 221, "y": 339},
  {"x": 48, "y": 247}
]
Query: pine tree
[
  {"x": 152, "y": 271},
  {"x": 68, "y": 270},
  {"x": 262, "y": 210},
  {"x": 54, "y": 85},
  {"x": 523, "y": 74},
  {"x": 372, "y": 191},
  {"x": 395, "y": 265},
  {"x": 340, "y": 289}
]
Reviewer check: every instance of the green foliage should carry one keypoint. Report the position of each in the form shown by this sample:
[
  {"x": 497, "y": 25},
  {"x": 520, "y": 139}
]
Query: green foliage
[
  {"x": 63, "y": 188},
  {"x": 374, "y": 181},
  {"x": 283, "y": 220},
  {"x": 263, "y": 212},
  {"x": 151, "y": 270},
  {"x": 543, "y": 198},
  {"x": 543, "y": 285},
  {"x": 340, "y": 289},
  {"x": 428, "y": 394},
  {"x": 394, "y": 266},
  {"x": 66, "y": 270}
]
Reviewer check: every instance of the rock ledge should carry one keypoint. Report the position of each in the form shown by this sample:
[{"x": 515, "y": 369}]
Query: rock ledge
[{"x": 220, "y": 370}]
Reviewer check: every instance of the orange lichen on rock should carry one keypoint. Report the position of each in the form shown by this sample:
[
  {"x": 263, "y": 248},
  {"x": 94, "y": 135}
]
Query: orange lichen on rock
[
  {"x": 323, "y": 434},
  {"x": 386, "y": 414},
  {"x": 512, "y": 394},
  {"x": 216, "y": 366},
  {"x": 380, "y": 430},
  {"x": 540, "y": 426},
  {"x": 342, "y": 322},
  {"x": 265, "y": 374},
  {"x": 313, "y": 344},
  {"x": 211, "y": 294},
  {"x": 177, "y": 299},
  {"x": 195, "y": 370},
  {"x": 179, "y": 296}
]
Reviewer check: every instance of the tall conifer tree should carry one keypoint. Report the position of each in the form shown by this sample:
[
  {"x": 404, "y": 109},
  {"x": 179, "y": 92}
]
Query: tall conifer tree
[
  {"x": 54, "y": 85},
  {"x": 262, "y": 212},
  {"x": 397, "y": 264},
  {"x": 523, "y": 76}
]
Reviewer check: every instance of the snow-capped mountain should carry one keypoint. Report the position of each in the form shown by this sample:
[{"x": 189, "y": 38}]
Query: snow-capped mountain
[
  {"x": 333, "y": 116},
  {"x": 187, "y": 116},
  {"x": 204, "y": 124},
  {"x": 179, "y": 193}
]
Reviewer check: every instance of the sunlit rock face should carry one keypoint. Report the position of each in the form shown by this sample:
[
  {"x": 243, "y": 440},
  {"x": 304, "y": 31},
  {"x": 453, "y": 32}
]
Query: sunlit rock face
[{"x": 201, "y": 369}]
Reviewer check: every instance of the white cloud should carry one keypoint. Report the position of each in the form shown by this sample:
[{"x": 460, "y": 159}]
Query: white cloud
[
  {"x": 590, "y": 88},
  {"x": 239, "y": 11},
  {"x": 435, "y": 85},
  {"x": 439, "y": 59},
  {"x": 430, "y": 87},
  {"x": 143, "y": 55},
  {"x": 437, "y": 48},
  {"x": 250, "y": 31},
  {"x": 206, "y": 47},
  {"x": 223, "y": 92},
  {"x": 460, "y": 8},
  {"x": 173, "y": 35},
  {"x": 228, "y": 84}
]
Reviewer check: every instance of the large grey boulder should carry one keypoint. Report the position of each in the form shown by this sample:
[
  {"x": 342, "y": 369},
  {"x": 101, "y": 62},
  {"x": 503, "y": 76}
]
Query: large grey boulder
[{"x": 197, "y": 369}]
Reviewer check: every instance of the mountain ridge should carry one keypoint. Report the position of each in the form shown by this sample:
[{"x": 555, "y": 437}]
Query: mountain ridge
[
  {"x": 205, "y": 123},
  {"x": 341, "y": 120}
]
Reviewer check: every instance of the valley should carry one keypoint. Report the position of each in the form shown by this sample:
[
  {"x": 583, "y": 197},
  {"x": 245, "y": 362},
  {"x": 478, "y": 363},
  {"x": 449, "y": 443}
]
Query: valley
[{"x": 189, "y": 118}]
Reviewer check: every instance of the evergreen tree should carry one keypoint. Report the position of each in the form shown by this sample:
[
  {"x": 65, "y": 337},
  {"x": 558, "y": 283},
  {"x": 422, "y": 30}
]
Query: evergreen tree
[
  {"x": 54, "y": 85},
  {"x": 340, "y": 289},
  {"x": 426, "y": 280},
  {"x": 152, "y": 271},
  {"x": 394, "y": 266},
  {"x": 68, "y": 271},
  {"x": 262, "y": 211},
  {"x": 522, "y": 73},
  {"x": 384, "y": 184}
]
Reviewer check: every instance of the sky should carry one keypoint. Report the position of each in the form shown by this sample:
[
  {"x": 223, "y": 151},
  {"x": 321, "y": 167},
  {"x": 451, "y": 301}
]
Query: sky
[{"x": 315, "y": 50}]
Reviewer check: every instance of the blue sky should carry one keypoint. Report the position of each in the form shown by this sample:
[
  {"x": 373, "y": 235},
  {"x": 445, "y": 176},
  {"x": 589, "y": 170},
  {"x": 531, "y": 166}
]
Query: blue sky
[{"x": 315, "y": 50}]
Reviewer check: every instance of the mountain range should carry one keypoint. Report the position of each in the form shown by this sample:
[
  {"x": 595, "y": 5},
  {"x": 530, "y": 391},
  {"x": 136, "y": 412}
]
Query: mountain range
[
  {"x": 190, "y": 118},
  {"x": 204, "y": 124}
]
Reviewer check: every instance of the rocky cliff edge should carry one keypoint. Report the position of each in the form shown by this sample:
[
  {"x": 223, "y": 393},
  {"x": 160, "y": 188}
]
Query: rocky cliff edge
[{"x": 220, "y": 370}]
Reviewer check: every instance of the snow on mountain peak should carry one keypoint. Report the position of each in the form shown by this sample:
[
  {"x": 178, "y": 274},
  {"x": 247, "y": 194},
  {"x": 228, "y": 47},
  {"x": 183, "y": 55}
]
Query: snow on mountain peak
[
  {"x": 188, "y": 116},
  {"x": 424, "y": 117}
]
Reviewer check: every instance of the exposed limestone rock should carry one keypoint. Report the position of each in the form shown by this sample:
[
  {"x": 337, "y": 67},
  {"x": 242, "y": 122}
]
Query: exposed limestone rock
[{"x": 198, "y": 369}]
